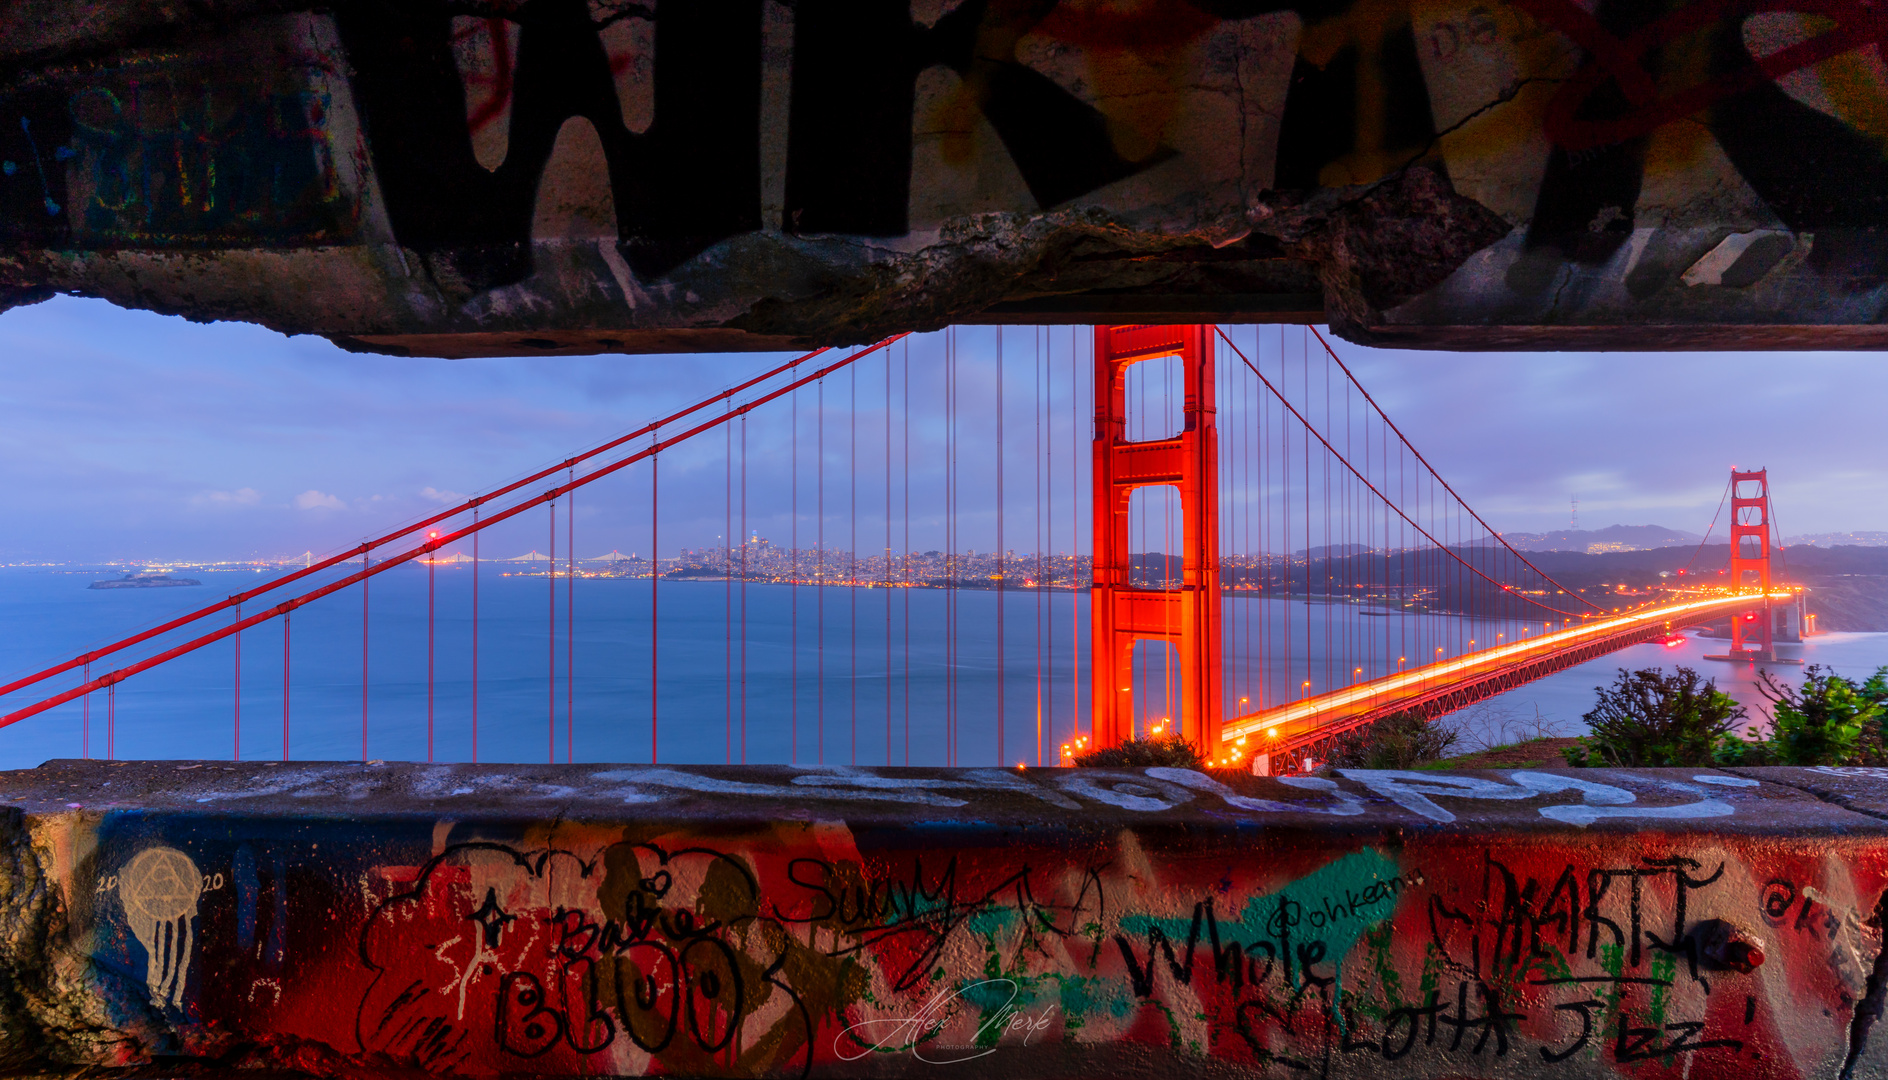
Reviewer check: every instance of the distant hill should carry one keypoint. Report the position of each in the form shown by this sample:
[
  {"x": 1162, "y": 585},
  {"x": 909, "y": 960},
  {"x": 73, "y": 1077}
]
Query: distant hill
[
  {"x": 1332, "y": 551},
  {"x": 1848, "y": 584},
  {"x": 1844, "y": 539},
  {"x": 1612, "y": 538}
]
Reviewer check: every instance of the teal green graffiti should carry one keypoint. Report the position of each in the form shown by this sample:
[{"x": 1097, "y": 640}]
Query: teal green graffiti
[{"x": 1317, "y": 918}]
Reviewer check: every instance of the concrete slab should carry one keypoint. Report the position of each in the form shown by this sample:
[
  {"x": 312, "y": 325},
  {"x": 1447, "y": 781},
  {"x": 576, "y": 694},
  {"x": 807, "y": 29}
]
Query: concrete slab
[
  {"x": 340, "y": 919},
  {"x": 1859, "y": 789},
  {"x": 732, "y": 174}
]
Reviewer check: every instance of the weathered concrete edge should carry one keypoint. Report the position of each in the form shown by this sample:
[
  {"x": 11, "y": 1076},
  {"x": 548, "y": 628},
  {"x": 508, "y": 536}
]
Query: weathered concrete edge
[
  {"x": 1756, "y": 802},
  {"x": 53, "y": 1011}
]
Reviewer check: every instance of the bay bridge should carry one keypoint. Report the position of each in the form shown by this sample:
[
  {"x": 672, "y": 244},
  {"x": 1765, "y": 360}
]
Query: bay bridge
[{"x": 1204, "y": 531}]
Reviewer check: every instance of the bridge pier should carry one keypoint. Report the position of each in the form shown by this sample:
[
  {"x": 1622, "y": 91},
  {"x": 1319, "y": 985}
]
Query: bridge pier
[{"x": 330, "y": 919}]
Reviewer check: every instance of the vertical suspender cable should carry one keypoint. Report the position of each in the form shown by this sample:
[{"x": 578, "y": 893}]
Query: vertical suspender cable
[
  {"x": 432, "y": 569},
  {"x": 1227, "y": 525},
  {"x": 953, "y": 645},
  {"x": 1036, "y": 498},
  {"x": 1253, "y": 492},
  {"x": 655, "y": 612},
  {"x": 367, "y": 563},
  {"x": 111, "y": 718},
  {"x": 550, "y": 638},
  {"x": 793, "y": 588},
  {"x": 1002, "y": 565},
  {"x": 819, "y": 578},
  {"x": 1250, "y": 435},
  {"x": 1304, "y": 464},
  {"x": 744, "y": 546},
  {"x": 885, "y": 574},
  {"x": 85, "y": 729},
  {"x": 570, "y": 618},
  {"x": 1284, "y": 525},
  {"x": 905, "y": 461},
  {"x": 475, "y": 636},
  {"x": 285, "y": 687},
  {"x": 238, "y": 720},
  {"x": 727, "y": 596},
  {"x": 950, "y": 541},
  {"x": 852, "y": 555},
  {"x": 1045, "y": 572},
  {"x": 1330, "y": 681}
]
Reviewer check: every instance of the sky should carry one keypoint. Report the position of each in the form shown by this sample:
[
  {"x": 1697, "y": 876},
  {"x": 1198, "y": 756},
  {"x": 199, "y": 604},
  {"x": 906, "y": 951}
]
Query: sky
[{"x": 132, "y": 436}]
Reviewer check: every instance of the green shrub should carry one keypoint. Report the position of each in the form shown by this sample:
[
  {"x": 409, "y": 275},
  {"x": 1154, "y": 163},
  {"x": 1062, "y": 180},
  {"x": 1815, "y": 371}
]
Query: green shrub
[
  {"x": 1649, "y": 718},
  {"x": 1829, "y": 720},
  {"x": 1398, "y": 741},
  {"x": 1875, "y": 687},
  {"x": 1169, "y": 750}
]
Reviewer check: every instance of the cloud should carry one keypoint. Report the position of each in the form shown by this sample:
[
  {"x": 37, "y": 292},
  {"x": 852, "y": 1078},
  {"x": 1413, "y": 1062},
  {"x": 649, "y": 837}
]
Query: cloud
[
  {"x": 316, "y": 500},
  {"x": 438, "y": 496},
  {"x": 240, "y": 497}
]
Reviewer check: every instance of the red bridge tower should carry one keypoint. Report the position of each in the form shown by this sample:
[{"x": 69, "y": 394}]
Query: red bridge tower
[
  {"x": 1120, "y": 615},
  {"x": 1750, "y": 562}
]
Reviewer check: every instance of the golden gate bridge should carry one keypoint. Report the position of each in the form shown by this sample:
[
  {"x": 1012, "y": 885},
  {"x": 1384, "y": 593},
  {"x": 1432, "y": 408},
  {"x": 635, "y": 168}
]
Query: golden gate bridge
[{"x": 1233, "y": 499}]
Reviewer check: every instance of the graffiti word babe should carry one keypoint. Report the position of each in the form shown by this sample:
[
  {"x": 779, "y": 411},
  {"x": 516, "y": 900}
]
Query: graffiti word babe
[{"x": 911, "y": 1032}]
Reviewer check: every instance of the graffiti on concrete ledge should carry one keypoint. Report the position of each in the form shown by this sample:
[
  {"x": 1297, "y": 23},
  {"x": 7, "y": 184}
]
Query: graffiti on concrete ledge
[
  {"x": 782, "y": 948},
  {"x": 664, "y": 130}
]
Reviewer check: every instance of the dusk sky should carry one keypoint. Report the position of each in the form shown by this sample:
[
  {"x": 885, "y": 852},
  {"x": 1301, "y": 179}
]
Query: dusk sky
[{"x": 128, "y": 435}]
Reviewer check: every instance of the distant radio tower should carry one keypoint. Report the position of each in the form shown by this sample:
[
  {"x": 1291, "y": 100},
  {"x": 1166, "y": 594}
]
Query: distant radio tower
[{"x": 1573, "y": 520}]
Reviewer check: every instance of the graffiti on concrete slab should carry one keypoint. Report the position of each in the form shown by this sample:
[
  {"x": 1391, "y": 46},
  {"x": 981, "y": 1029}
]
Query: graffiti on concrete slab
[
  {"x": 1616, "y": 131},
  {"x": 236, "y": 148},
  {"x": 742, "y": 946},
  {"x": 159, "y": 890}
]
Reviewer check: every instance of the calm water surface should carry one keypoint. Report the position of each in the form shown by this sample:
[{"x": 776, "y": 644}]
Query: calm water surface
[{"x": 854, "y": 692}]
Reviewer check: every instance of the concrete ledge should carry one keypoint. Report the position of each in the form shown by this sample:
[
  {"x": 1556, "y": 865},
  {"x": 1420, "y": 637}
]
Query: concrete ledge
[{"x": 346, "y": 920}]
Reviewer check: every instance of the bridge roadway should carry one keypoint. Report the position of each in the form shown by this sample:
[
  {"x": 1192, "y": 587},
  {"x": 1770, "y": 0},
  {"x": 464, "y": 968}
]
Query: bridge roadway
[{"x": 1447, "y": 685}]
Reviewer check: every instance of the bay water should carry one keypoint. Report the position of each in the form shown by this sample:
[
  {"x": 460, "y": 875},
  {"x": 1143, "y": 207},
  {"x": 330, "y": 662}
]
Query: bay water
[{"x": 832, "y": 675}]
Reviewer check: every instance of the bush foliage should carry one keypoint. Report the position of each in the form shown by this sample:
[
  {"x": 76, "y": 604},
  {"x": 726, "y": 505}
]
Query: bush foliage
[
  {"x": 1398, "y": 741},
  {"x": 1170, "y": 750},
  {"x": 1649, "y": 718},
  {"x": 1829, "y": 720}
]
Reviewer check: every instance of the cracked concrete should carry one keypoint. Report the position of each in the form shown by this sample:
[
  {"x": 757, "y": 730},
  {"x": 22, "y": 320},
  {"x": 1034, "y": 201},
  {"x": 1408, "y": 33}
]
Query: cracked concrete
[
  {"x": 1077, "y": 168},
  {"x": 334, "y": 919}
]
